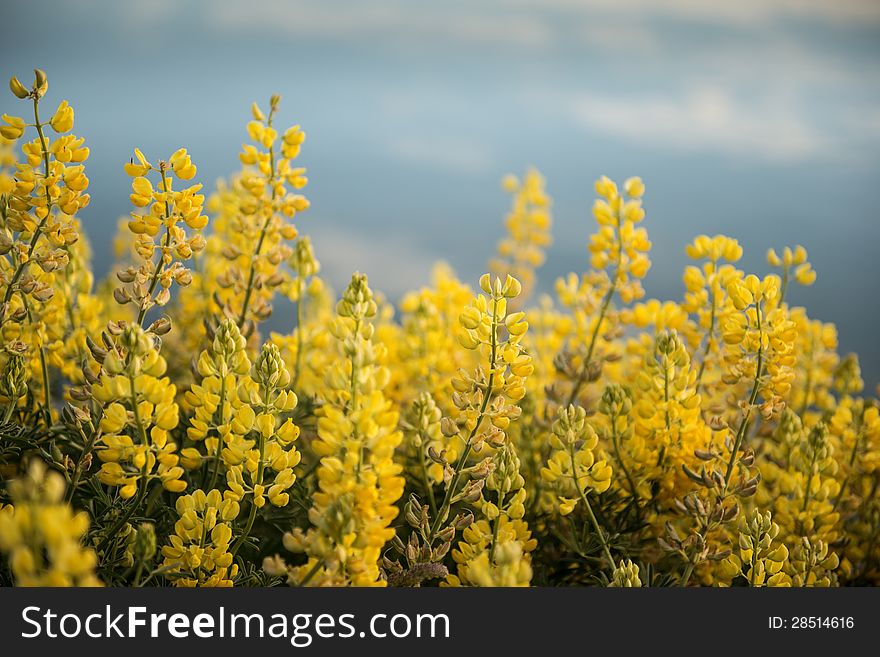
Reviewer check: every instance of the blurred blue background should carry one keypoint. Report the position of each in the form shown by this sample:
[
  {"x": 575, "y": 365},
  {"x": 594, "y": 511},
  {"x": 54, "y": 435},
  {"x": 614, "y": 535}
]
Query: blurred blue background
[{"x": 756, "y": 118}]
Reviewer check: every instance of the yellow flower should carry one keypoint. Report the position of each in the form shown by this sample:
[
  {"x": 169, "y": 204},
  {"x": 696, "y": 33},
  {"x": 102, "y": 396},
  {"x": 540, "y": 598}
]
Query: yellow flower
[
  {"x": 42, "y": 535},
  {"x": 573, "y": 468},
  {"x": 41, "y": 195},
  {"x": 251, "y": 461},
  {"x": 528, "y": 223},
  {"x": 140, "y": 411},
  {"x": 358, "y": 480},
  {"x": 14, "y": 127},
  {"x": 199, "y": 550},
  {"x": 161, "y": 243},
  {"x": 62, "y": 120},
  {"x": 503, "y": 557},
  {"x": 252, "y": 226},
  {"x": 756, "y": 557},
  {"x": 625, "y": 575}
]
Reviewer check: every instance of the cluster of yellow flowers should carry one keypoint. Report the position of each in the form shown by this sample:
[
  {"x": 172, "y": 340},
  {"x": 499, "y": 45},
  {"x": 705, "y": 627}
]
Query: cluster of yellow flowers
[
  {"x": 461, "y": 438},
  {"x": 43, "y": 535}
]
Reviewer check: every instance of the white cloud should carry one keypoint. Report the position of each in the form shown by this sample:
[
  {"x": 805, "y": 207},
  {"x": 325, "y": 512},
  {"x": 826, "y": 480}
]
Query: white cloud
[
  {"x": 742, "y": 12},
  {"x": 399, "y": 21},
  {"x": 452, "y": 154},
  {"x": 704, "y": 119},
  {"x": 621, "y": 36},
  {"x": 393, "y": 264}
]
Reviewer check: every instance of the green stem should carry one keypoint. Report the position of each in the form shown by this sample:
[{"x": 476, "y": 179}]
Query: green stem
[
  {"x": 10, "y": 409},
  {"x": 158, "y": 270},
  {"x": 426, "y": 480},
  {"x": 297, "y": 366},
  {"x": 88, "y": 443},
  {"x": 852, "y": 461},
  {"x": 44, "y": 368},
  {"x": 740, "y": 434},
  {"x": 632, "y": 486},
  {"x": 593, "y": 520},
  {"x": 459, "y": 467},
  {"x": 810, "y": 474},
  {"x": 252, "y": 270},
  {"x": 808, "y": 384},
  {"x": 312, "y": 572},
  {"x": 784, "y": 287},
  {"x": 10, "y": 290},
  {"x": 44, "y": 148},
  {"x": 261, "y": 443},
  {"x": 667, "y": 423},
  {"x": 686, "y": 575},
  {"x": 353, "y": 400},
  {"x": 222, "y": 408},
  {"x": 585, "y": 368},
  {"x": 710, "y": 337},
  {"x": 142, "y": 489}
]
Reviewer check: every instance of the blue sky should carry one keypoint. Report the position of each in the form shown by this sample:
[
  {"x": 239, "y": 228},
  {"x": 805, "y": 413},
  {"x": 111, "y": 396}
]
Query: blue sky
[{"x": 759, "y": 119}]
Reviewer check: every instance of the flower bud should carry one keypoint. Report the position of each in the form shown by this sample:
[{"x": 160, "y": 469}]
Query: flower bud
[
  {"x": 41, "y": 83},
  {"x": 18, "y": 88}
]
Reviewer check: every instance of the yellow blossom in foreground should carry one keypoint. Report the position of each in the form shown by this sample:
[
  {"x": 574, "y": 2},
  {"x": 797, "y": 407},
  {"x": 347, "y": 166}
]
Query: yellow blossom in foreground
[
  {"x": 626, "y": 575},
  {"x": 757, "y": 557},
  {"x": 198, "y": 554},
  {"x": 358, "y": 480},
  {"x": 140, "y": 413},
  {"x": 42, "y": 535}
]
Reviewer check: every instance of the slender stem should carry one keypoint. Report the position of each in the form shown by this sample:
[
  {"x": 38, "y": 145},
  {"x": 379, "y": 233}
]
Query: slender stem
[
  {"x": 426, "y": 480},
  {"x": 710, "y": 339},
  {"x": 158, "y": 270},
  {"x": 222, "y": 408},
  {"x": 252, "y": 516},
  {"x": 10, "y": 289},
  {"x": 353, "y": 401},
  {"x": 592, "y": 515},
  {"x": 253, "y": 264},
  {"x": 691, "y": 559},
  {"x": 456, "y": 476},
  {"x": 740, "y": 434},
  {"x": 44, "y": 148},
  {"x": 582, "y": 376},
  {"x": 808, "y": 384},
  {"x": 661, "y": 457},
  {"x": 585, "y": 367},
  {"x": 810, "y": 474},
  {"x": 261, "y": 446},
  {"x": 44, "y": 366},
  {"x": 784, "y": 287},
  {"x": 312, "y": 572},
  {"x": 158, "y": 571},
  {"x": 125, "y": 517},
  {"x": 686, "y": 575},
  {"x": 852, "y": 461},
  {"x": 88, "y": 443},
  {"x": 142, "y": 489},
  {"x": 297, "y": 366},
  {"x": 632, "y": 486}
]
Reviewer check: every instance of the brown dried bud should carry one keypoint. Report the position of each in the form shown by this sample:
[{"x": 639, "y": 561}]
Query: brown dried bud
[{"x": 161, "y": 326}]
